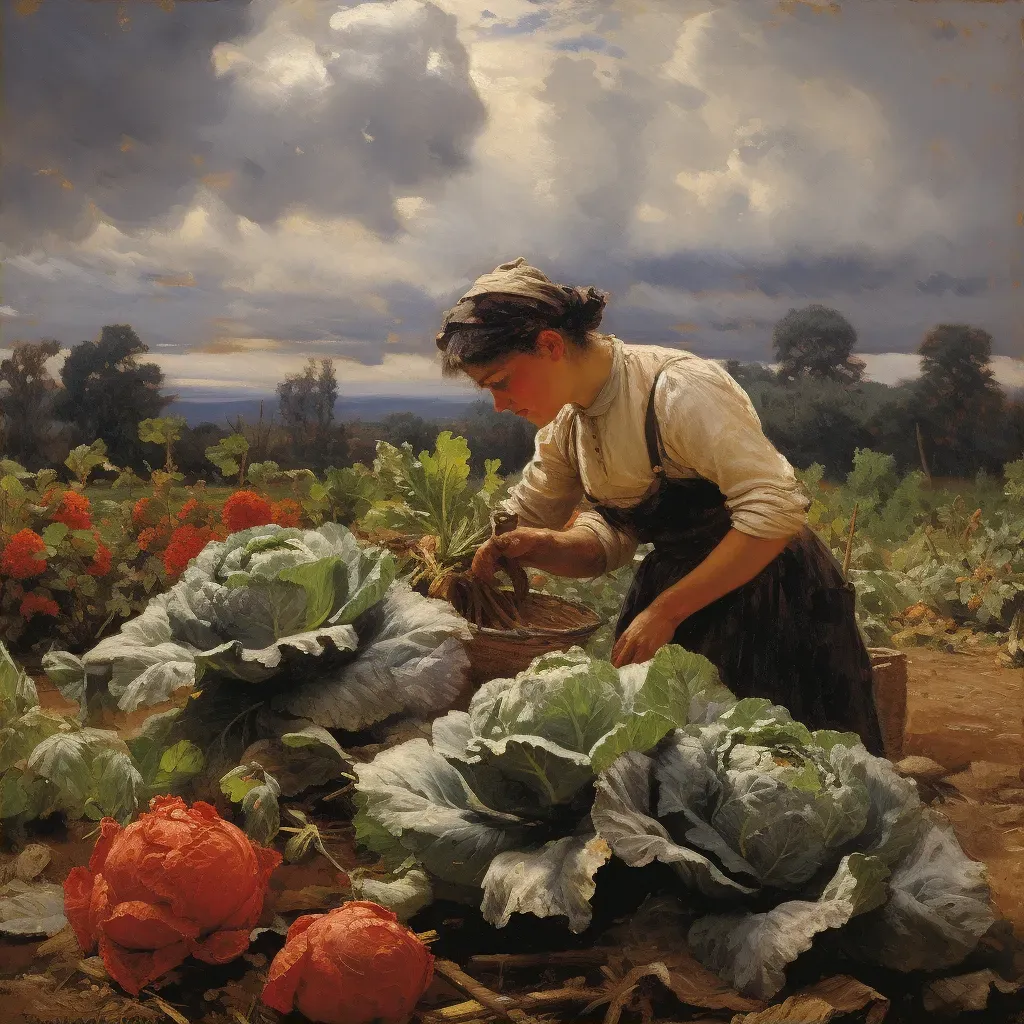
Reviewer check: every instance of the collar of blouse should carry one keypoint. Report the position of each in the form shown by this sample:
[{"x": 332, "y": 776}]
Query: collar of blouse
[{"x": 612, "y": 386}]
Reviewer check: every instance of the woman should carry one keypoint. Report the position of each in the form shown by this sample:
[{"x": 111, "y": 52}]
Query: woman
[{"x": 666, "y": 449}]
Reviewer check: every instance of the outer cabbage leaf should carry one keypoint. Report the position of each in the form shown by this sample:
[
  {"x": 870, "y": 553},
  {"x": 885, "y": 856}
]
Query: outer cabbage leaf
[
  {"x": 412, "y": 798},
  {"x": 410, "y": 658},
  {"x": 938, "y": 906},
  {"x": 751, "y": 951}
]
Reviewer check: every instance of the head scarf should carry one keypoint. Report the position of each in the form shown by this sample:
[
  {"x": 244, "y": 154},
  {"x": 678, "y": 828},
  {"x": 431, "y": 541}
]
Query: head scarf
[{"x": 515, "y": 301}]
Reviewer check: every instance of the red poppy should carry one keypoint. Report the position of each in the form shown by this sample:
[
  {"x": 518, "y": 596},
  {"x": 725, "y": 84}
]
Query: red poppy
[{"x": 37, "y": 604}]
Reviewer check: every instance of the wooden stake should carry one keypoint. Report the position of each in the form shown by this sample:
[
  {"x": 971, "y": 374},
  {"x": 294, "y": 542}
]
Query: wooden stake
[
  {"x": 920, "y": 452},
  {"x": 849, "y": 543}
]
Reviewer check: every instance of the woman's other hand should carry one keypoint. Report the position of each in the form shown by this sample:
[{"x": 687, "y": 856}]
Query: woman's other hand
[{"x": 644, "y": 636}]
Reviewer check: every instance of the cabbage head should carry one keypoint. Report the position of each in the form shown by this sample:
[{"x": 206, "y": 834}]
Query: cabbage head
[
  {"x": 778, "y": 834},
  {"x": 495, "y": 808},
  {"x": 307, "y": 624}
]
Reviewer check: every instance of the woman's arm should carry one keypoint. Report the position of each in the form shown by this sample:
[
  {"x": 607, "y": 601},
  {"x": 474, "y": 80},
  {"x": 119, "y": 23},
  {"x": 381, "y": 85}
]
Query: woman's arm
[
  {"x": 736, "y": 560},
  {"x": 573, "y": 552}
]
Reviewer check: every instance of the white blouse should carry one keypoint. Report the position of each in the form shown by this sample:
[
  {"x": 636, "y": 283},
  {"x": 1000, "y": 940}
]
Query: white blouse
[{"x": 708, "y": 429}]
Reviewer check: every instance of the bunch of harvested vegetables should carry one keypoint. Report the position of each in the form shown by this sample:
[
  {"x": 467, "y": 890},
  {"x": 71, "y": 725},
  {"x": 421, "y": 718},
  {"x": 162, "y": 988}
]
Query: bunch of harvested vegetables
[{"x": 483, "y": 604}]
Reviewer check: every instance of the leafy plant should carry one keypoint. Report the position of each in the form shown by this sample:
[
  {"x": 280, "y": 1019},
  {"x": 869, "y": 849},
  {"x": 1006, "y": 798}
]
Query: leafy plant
[
  {"x": 85, "y": 458},
  {"x": 229, "y": 456},
  {"x": 777, "y": 834},
  {"x": 164, "y": 430},
  {"x": 496, "y": 808},
  {"x": 52, "y": 763},
  {"x": 276, "y": 628}
]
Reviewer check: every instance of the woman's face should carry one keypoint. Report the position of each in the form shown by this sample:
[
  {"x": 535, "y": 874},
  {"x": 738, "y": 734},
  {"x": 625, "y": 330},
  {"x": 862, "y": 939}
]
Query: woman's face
[{"x": 534, "y": 385}]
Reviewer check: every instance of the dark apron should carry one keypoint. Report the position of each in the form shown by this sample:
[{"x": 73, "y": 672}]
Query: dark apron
[{"x": 790, "y": 634}]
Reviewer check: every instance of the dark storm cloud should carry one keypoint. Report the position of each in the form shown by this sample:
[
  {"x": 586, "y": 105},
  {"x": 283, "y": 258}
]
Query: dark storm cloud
[
  {"x": 126, "y": 122},
  {"x": 102, "y": 118},
  {"x": 797, "y": 276}
]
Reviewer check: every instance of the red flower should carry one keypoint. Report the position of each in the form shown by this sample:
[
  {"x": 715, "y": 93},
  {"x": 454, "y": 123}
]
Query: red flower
[
  {"x": 186, "y": 542},
  {"x": 244, "y": 509},
  {"x": 179, "y": 880},
  {"x": 286, "y": 512},
  {"x": 147, "y": 538},
  {"x": 24, "y": 556},
  {"x": 73, "y": 511},
  {"x": 102, "y": 560},
  {"x": 349, "y": 966},
  {"x": 140, "y": 511},
  {"x": 37, "y": 604},
  {"x": 187, "y": 509}
]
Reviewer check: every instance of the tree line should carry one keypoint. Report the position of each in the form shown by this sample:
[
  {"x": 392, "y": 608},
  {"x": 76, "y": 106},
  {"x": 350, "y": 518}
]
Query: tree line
[{"x": 954, "y": 420}]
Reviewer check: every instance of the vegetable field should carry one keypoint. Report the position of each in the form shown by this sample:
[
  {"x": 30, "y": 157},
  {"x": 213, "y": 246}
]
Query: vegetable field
[{"x": 227, "y": 713}]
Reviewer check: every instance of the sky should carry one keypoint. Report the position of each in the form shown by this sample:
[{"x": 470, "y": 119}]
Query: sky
[{"x": 251, "y": 183}]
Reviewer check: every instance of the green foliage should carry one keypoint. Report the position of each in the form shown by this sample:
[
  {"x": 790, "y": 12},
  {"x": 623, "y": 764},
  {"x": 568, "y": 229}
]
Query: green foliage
[
  {"x": 165, "y": 431},
  {"x": 229, "y": 455},
  {"x": 83, "y": 459}
]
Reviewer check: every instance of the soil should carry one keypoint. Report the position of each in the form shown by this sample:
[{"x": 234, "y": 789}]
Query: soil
[{"x": 964, "y": 711}]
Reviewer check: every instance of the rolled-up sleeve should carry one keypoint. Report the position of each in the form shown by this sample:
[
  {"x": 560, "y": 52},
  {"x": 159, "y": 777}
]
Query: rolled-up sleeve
[
  {"x": 550, "y": 490},
  {"x": 709, "y": 425}
]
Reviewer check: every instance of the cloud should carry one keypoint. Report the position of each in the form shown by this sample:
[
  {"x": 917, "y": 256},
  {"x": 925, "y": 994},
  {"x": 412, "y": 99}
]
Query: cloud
[
  {"x": 105, "y": 117},
  {"x": 272, "y": 107}
]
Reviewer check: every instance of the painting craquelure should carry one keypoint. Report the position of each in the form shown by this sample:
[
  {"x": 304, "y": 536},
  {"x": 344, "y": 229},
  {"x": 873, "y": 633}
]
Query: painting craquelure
[{"x": 512, "y": 510}]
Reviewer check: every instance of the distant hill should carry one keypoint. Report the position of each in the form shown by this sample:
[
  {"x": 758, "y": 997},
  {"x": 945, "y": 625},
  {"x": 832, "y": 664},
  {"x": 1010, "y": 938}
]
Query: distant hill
[{"x": 369, "y": 408}]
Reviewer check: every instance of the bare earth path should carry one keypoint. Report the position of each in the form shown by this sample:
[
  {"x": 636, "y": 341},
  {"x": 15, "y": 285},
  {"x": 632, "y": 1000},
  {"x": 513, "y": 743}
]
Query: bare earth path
[{"x": 968, "y": 709}]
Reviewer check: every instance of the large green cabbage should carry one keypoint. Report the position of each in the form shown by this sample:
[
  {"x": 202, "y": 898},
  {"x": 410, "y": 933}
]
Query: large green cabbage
[
  {"x": 778, "y": 834},
  {"x": 496, "y": 807},
  {"x": 307, "y": 624}
]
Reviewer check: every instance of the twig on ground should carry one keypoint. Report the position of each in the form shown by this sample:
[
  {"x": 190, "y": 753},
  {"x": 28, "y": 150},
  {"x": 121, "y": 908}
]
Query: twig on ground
[{"x": 567, "y": 957}]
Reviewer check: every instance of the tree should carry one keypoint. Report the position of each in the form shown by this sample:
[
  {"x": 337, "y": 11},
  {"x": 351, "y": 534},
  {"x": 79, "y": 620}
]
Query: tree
[
  {"x": 818, "y": 342},
  {"x": 108, "y": 392},
  {"x": 959, "y": 405},
  {"x": 27, "y": 392},
  {"x": 306, "y": 405}
]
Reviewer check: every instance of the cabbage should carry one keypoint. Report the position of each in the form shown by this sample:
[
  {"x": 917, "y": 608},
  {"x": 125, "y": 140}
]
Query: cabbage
[
  {"x": 496, "y": 807},
  {"x": 306, "y": 625},
  {"x": 784, "y": 834}
]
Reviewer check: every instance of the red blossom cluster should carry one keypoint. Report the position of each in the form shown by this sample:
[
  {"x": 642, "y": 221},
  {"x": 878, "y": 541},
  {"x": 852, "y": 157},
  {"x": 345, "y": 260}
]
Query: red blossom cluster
[
  {"x": 102, "y": 560},
  {"x": 74, "y": 511},
  {"x": 24, "y": 556},
  {"x": 245, "y": 509},
  {"x": 37, "y": 604},
  {"x": 186, "y": 542}
]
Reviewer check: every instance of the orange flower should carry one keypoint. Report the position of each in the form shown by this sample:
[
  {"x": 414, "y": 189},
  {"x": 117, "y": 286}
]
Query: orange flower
[
  {"x": 286, "y": 512},
  {"x": 24, "y": 556},
  {"x": 187, "y": 509},
  {"x": 245, "y": 509},
  {"x": 181, "y": 880},
  {"x": 102, "y": 560},
  {"x": 37, "y": 604},
  {"x": 140, "y": 511},
  {"x": 186, "y": 542},
  {"x": 73, "y": 511},
  {"x": 352, "y": 965},
  {"x": 147, "y": 538}
]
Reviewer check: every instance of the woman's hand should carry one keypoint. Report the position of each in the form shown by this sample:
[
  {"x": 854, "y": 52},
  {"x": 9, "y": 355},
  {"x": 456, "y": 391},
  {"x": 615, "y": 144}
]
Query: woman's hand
[
  {"x": 520, "y": 544},
  {"x": 644, "y": 636},
  {"x": 575, "y": 552}
]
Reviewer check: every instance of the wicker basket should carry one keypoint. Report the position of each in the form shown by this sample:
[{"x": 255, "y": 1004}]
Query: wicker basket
[
  {"x": 554, "y": 625},
  {"x": 889, "y": 682}
]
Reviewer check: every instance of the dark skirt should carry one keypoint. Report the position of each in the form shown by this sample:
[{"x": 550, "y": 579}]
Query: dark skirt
[{"x": 790, "y": 634}]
